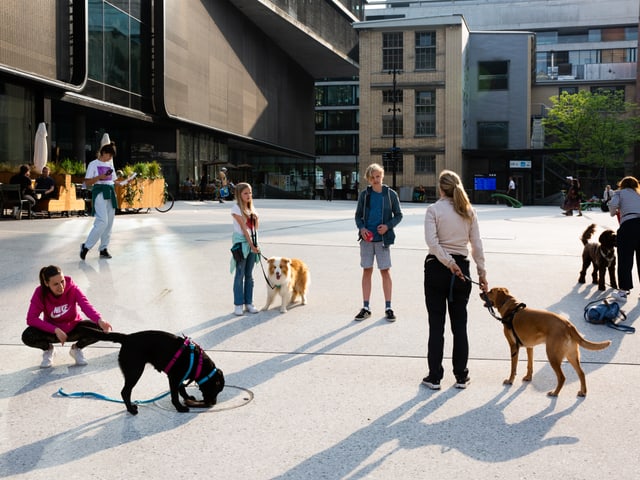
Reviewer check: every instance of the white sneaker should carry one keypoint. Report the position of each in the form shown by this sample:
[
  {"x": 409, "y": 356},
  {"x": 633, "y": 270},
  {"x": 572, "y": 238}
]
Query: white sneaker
[
  {"x": 251, "y": 308},
  {"x": 238, "y": 310},
  {"x": 620, "y": 295},
  {"x": 47, "y": 358},
  {"x": 77, "y": 355}
]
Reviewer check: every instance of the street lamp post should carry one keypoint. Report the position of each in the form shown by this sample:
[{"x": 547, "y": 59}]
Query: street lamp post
[{"x": 394, "y": 110}]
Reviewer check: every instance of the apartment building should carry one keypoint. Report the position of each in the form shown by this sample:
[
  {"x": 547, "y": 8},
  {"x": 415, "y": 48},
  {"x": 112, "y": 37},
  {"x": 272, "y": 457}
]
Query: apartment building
[
  {"x": 516, "y": 55},
  {"x": 433, "y": 94}
]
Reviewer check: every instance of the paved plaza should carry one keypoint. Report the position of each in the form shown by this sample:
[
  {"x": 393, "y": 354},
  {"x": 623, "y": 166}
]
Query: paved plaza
[{"x": 311, "y": 394}]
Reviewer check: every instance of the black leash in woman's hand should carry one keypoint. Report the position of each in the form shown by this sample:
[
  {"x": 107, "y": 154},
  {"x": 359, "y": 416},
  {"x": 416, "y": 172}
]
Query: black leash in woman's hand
[
  {"x": 254, "y": 239},
  {"x": 487, "y": 303},
  {"x": 453, "y": 280}
]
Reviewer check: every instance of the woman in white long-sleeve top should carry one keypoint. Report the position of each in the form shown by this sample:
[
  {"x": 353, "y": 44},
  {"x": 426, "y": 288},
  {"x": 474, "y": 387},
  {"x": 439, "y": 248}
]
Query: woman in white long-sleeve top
[{"x": 450, "y": 227}]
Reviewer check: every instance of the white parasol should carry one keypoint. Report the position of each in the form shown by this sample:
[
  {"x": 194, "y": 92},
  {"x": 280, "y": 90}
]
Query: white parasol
[
  {"x": 105, "y": 140},
  {"x": 40, "y": 148}
]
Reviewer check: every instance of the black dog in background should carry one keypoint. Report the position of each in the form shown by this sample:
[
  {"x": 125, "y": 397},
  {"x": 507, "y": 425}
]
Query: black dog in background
[
  {"x": 168, "y": 353},
  {"x": 602, "y": 255}
]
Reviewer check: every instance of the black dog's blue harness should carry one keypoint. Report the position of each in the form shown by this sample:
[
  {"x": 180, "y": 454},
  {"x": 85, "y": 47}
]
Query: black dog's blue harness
[
  {"x": 192, "y": 347},
  {"x": 187, "y": 343}
]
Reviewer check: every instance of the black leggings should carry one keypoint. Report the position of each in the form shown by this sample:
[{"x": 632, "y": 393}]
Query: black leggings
[
  {"x": 36, "y": 338},
  {"x": 628, "y": 245},
  {"x": 439, "y": 294}
]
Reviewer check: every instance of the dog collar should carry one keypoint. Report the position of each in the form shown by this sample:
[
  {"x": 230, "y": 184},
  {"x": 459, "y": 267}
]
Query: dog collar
[{"x": 606, "y": 257}]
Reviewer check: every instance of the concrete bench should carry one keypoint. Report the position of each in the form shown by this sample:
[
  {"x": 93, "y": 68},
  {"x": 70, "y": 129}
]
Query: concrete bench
[{"x": 66, "y": 202}]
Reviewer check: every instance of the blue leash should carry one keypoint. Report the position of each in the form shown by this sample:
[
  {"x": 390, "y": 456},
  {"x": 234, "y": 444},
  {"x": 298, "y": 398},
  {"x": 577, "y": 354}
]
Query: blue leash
[{"x": 99, "y": 396}]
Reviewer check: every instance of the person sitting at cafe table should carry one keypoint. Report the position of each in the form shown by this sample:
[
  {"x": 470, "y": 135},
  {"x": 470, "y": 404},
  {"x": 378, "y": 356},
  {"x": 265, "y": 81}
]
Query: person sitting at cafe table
[
  {"x": 23, "y": 178},
  {"x": 46, "y": 185}
]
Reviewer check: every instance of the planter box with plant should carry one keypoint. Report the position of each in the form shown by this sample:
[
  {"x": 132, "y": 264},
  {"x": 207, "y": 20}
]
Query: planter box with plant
[{"x": 144, "y": 191}]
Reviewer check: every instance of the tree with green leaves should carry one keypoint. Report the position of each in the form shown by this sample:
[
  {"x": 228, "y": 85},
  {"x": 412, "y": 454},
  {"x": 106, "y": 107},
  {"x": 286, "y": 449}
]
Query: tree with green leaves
[{"x": 600, "y": 128}]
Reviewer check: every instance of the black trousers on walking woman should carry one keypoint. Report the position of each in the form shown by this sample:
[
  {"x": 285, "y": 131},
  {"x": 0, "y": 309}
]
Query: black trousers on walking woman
[{"x": 442, "y": 295}]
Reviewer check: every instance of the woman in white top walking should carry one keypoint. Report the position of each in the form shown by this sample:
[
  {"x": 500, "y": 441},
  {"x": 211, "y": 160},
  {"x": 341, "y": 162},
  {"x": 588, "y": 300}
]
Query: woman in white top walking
[{"x": 101, "y": 176}]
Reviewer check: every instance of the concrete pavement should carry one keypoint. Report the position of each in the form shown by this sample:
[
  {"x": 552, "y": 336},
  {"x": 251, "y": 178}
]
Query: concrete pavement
[{"x": 310, "y": 394}]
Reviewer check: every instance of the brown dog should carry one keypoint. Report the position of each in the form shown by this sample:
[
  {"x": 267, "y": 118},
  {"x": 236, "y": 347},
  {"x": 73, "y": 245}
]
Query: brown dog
[
  {"x": 601, "y": 254},
  {"x": 289, "y": 278},
  {"x": 527, "y": 327}
]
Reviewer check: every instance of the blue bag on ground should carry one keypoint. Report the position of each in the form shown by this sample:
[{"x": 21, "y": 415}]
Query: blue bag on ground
[{"x": 606, "y": 313}]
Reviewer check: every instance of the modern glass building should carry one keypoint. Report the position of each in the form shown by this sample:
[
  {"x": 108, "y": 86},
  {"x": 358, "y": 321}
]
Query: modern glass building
[
  {"x": 194, "y": 84},
  {"x": 337, "y": 128}
]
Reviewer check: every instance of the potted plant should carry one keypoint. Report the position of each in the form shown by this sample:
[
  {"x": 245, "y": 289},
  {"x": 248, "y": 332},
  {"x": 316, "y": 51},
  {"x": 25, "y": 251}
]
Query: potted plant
[{"x": 146, "y": 190}]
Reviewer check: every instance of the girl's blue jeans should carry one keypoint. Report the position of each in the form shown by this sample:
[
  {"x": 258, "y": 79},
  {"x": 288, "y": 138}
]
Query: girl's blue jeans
[{"x": 243, "y": 281}]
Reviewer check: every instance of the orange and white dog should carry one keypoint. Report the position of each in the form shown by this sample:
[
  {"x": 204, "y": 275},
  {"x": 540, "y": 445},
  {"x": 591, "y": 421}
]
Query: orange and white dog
[{"x": 288, "y": 277}]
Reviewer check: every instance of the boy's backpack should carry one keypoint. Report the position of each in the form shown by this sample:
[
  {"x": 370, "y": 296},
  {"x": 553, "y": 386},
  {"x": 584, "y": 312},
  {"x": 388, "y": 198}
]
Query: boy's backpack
[{"x": 605, "y": 313}]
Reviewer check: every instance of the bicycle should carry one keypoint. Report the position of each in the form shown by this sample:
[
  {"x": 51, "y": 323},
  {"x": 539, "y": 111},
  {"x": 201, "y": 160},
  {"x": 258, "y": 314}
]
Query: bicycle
[{"x": 168, "y": 201}]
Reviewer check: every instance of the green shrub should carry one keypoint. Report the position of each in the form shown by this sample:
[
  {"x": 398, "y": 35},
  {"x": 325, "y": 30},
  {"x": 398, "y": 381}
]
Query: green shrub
[
  {"x": 155, "y": 171},
  {"x": 70, "y": 166},
  {"x": 6, "y": 167}
]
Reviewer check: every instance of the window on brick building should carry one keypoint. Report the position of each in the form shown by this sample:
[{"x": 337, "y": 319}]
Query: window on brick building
[
  {"x": 425, "y": 50},
  {"x": 392, "y": 51}
]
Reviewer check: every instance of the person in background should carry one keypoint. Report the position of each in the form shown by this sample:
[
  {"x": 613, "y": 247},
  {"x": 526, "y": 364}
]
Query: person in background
[
  {"x": 45, "y": 185},
  {"x": 245, "y": 227},
  {"x": 101, "y": 175},
  {"x": 450, "y": 226},
  {"x": 606, "y": 198},
  {"x": 221, "y": 182},
  {"x": 53, "y": 317},
  {"x": 377, "y": 214},
  {"x": 573, "y": 198},
  {"x": 23, "y": 178},
  {"x": 511, "y": 188},
  {"x": 204, "y": 181},
  {"x": 188, "y": 189},
  {"x": 625, "y": 203},
  {"x": 329, "y": 185}
]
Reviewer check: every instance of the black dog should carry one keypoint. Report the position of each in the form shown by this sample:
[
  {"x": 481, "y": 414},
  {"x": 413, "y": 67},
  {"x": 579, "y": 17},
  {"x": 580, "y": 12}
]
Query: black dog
[
  {"x": 601, "y": 254},
  {"x": 179, "y": 358}
]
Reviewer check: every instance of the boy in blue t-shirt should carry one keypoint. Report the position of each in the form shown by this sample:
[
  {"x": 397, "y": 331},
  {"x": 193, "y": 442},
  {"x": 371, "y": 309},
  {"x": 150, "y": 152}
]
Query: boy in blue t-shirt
[{"x": 377, "y": 214}]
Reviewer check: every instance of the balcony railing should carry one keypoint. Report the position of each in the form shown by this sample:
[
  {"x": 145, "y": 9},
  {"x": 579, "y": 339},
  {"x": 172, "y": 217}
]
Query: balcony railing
[{"x": 589, "y": 72}]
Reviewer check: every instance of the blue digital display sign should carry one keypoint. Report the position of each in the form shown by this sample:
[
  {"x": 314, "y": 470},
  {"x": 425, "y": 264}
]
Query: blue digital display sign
[{"x": 484, "y": 182}]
